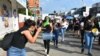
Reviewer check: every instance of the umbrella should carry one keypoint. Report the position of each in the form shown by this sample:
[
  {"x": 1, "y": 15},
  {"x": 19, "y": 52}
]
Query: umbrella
[{"x": 69, "y": 17}]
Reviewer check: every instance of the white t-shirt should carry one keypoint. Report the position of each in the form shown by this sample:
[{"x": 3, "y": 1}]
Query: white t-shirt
[{"x": 65, "y": 25}]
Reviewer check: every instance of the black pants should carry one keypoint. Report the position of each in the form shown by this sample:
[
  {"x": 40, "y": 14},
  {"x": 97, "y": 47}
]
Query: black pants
[
  {"x": 99, "y": 41},
  {"x": 47, "y": 45},
  {"x": 82, "y": 38}
]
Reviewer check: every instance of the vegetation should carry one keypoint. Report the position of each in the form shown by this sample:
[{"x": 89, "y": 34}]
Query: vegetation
[{"x": 23, "y": 11}]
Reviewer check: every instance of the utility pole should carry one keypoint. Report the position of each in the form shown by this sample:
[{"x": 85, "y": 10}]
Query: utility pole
[{"x": 26, "y": 8}]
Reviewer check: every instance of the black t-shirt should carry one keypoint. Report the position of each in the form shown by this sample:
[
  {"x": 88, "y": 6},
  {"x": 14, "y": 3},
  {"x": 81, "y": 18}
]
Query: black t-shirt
[
  {"x": 47, "y": 29},
  {"x": 88, "y": 26},
  {"x": 19, "y": 39}
]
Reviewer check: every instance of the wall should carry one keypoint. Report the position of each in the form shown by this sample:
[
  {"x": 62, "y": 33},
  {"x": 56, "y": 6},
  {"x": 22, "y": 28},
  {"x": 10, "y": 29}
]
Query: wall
[
  {"x": 7, "y": 19},
  {"x": 8, "y": 5}
]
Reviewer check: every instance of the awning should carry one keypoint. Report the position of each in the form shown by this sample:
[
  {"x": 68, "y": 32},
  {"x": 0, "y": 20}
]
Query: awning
[{"x": 23, "y": 3}]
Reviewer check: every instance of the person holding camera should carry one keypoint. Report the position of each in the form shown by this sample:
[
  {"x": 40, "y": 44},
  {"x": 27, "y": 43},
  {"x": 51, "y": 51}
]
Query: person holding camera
[{"x": 21, "y": 37}]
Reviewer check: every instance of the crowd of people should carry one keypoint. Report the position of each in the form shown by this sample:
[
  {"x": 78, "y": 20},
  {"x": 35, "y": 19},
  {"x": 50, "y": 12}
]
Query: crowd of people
[
  {"x": 88, "y": 29},
  {"x": 51, "y": 29}
]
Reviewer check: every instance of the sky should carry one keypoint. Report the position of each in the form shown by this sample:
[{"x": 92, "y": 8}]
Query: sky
[{"x": 48, "y": 6}]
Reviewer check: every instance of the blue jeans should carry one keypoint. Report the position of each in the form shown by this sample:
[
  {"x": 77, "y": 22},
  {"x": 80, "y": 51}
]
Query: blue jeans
[
  {"x": 88, "y": 41},
  {"x": 63, "y": 33},
  {"x": 56, "y": 33},
  {"x": 13, "y": 51}
]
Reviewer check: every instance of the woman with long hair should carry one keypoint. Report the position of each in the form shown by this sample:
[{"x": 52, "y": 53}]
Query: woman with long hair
[
  {"x": 21, "y": 37},
  {"x": 64, "y": 26},
  {"x": 88, "y": 36},
  {"x": 47, "y": 32}
]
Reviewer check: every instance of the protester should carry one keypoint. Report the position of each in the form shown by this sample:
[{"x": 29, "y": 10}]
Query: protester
[
  {"x": 82, "y": 33},
  {"x": 39, "y": 22},
  {"x": 56, "y": 31},
  {"x": 99, "y": 31},
  {"x": 70, "y": 27},
  {"x": 47, "y": 32},
  {"x": 88, "y": 36},
  {"x": 64, "y": 26},
  {"x": 21, "y": 37},
  {"x": 77, "y": 26}
]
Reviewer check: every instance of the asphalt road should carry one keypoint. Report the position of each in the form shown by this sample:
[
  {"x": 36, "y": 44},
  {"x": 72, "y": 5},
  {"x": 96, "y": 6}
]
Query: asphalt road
[{"x": 70, "y": 47}]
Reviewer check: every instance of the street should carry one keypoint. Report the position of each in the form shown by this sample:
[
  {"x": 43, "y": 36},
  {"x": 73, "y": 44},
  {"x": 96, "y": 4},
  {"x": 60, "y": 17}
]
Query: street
[
  {"x": 71, "y": 47},
  {"x": 28, "y": 17}
]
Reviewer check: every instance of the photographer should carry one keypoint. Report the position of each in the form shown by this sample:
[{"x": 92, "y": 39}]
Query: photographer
[{"x": 21, "y": 37}]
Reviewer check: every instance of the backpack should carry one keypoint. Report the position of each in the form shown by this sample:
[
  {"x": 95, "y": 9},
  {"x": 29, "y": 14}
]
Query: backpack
[{"x": 6, "y": 42}]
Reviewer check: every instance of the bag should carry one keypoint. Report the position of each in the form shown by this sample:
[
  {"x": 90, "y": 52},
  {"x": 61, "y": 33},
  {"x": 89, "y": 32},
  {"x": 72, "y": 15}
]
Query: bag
[
  {"x": 47, "y": 36},
  {"x": 95, "y": 31},
  {"x": 6, "y": 42}
]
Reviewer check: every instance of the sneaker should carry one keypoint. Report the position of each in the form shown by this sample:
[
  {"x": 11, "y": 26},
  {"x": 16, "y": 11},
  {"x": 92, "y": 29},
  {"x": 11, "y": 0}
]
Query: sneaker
[
  {"x": 56, "y": 46},
  {"x": 82, "y": 50},
  {"x": 90, "y": 54},
  {"x": 47, "y": 55},
  {"x": 45, "y": 50}
]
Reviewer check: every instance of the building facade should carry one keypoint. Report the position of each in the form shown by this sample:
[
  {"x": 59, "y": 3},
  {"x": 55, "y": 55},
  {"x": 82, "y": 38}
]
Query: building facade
[
  {"x": 33, "y": 5},
  {"x": 95, "y": 9},
  {"x": 9, "y": 15}
]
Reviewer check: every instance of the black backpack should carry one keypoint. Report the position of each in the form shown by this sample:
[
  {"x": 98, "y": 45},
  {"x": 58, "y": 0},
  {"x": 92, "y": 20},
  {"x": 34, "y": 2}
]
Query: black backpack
[{"x": 6, "y": 42}]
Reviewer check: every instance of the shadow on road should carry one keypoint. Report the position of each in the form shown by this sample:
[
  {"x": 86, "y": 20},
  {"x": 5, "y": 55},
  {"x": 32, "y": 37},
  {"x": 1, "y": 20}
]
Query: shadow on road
[
  {"x": 59, "y": 49},
  {"x": 70, "y": 41},
  {"x": 36, "y": 51}
]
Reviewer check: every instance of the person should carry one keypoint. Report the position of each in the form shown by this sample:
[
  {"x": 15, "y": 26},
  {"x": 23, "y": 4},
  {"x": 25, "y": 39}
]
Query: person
[
  {"x": 22, "y": 36},
  {"x": 56, "y": 31},
  {"x": 70, "y": 27},
  {"x": 47, "y": 32},
  {"x": 64, "y": 26},
  {"x": 99, "y": 31},
  {"x": 77, "y": 26},
  {"x": 88, "y": 36},
  {"x": 39, "y": 22},
  {"x": 82, "y": 31},
  {"x": 82, "y": 35}
]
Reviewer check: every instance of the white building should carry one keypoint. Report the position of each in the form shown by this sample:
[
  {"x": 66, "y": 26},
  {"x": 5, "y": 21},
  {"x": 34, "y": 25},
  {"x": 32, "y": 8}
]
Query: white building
[{"x": 96, "y": 4}]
